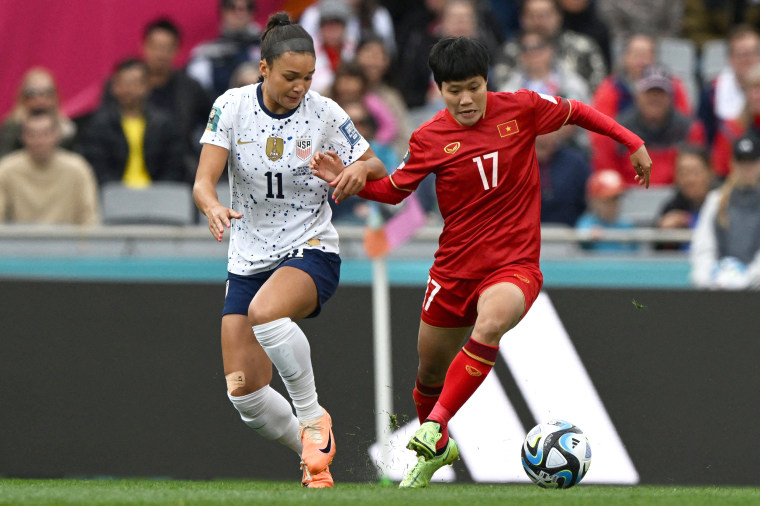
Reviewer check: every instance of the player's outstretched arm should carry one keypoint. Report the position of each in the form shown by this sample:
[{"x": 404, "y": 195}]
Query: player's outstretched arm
[
  {"x": 349, "y": 180},
  {"x": 210, "y": 168},
  {"x": 642, "y": 164}
]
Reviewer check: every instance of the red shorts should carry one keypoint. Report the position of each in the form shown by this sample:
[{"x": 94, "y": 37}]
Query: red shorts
[{"x": 453, "y": 302}]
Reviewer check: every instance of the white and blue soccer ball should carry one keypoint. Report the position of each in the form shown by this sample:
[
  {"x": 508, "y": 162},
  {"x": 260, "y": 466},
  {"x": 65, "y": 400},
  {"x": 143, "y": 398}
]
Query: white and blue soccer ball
[{"x": 556, "y": 454}]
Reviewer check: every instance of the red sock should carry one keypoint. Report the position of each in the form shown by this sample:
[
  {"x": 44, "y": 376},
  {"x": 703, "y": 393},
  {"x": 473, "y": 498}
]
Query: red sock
[
  {"x": 425, "y": 398},
  {"x": 466, "y": 372}
]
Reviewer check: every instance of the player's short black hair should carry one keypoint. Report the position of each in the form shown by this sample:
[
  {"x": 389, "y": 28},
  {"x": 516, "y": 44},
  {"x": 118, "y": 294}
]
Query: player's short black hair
[
  {"x": 282, "y": 35},
  {"x": 457, "y": 59},
  {"x": 165, "y": 24}
]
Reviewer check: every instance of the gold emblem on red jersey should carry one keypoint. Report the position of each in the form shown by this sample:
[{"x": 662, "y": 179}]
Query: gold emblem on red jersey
[
  {"x": 508, "y": 128},
  {"x": 452, "y": 148},
  {"x": 522, "y": 278},
  {"x": 472, "y": 371}
]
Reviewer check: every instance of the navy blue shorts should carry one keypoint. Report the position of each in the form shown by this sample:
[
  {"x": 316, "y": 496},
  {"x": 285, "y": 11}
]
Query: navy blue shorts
[{"x": 324, "y": 269}]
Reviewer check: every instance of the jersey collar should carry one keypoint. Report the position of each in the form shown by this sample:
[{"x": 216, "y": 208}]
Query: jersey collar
[{"x": 260, "y": 98}]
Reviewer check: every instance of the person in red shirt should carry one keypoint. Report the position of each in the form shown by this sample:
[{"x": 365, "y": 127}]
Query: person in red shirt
[{"x": 486, "y": 272}]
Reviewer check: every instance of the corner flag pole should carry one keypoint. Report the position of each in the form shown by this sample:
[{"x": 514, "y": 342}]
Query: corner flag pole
[{"x": 381, "y": 317}]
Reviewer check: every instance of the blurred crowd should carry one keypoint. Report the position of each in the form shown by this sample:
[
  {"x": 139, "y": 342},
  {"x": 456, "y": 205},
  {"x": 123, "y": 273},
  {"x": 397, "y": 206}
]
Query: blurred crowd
[{"x": 682, "y": 74}]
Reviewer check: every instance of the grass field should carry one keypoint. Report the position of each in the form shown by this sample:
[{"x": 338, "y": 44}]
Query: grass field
[{"x": 113, "y": 492}]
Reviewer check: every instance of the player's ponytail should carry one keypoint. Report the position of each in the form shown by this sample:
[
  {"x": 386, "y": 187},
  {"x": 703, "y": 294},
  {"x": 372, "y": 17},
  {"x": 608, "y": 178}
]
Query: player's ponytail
[{"x": 281, "y": 35}]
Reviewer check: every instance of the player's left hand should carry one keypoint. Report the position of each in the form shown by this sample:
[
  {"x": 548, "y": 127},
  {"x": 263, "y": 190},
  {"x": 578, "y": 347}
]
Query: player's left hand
[
  {"x": 347, "y": 181},
  {"x": 326, "y": 166},
  {"x": 643, "y": 166}
]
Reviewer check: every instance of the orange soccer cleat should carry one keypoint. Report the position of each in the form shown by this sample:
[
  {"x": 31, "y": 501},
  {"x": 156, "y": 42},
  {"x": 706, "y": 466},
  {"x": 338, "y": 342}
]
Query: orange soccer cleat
[
  {"x": 318, "y": 443},
  {"x": 320, "y": 480}
]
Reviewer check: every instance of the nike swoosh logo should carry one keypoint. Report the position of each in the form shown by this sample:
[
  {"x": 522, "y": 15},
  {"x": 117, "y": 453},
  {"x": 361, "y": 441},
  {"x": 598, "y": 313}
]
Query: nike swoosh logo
[
  {"x": 240, "y": 141},
  {"x": 327, "y": 448}
]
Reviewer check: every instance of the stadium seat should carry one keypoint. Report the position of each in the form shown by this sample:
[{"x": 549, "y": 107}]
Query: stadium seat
[
  {"x": 714, "y": 58},
  {"x": 161, "y": 203},
  {"x": 643, "y": 205},
  {"x": 680, "y": 56}
]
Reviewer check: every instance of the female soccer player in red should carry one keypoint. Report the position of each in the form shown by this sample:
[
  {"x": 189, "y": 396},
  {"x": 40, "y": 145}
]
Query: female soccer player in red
[{"x": 486, "y": 272}]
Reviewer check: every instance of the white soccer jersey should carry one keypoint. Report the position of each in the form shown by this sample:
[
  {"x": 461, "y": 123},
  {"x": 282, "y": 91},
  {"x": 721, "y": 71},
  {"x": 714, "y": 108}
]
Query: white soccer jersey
[{"x": 284, "y": 206}]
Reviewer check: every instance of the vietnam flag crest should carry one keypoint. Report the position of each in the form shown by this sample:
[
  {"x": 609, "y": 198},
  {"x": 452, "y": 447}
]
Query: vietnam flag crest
[{"x": 508, "y": 128}]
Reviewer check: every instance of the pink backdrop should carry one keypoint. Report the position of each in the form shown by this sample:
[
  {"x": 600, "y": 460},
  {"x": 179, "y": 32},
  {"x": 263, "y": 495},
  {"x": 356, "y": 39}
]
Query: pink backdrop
[{"x": 81, "y": 40}]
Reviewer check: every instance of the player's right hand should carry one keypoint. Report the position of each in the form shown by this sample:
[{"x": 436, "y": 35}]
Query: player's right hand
[
  {"x": 219, "y": 218},
  {"x": 642, "y": 164}
]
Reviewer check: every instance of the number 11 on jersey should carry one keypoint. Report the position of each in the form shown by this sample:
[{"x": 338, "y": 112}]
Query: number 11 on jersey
[{"x": 270, "y": 194}]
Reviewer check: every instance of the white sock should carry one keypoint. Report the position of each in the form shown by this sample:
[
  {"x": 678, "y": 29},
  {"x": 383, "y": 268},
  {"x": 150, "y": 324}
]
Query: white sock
[
  {"x": 288, "y": 349},
  {"x": 269, "y": 413}
]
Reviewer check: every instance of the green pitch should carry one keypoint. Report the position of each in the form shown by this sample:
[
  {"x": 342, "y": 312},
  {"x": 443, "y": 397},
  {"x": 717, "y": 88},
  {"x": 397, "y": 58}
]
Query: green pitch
[{"x": 113, "y": 492}]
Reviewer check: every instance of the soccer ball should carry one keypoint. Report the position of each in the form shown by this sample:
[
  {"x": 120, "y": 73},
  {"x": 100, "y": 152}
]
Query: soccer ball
[{"x": 556, "y": 454}]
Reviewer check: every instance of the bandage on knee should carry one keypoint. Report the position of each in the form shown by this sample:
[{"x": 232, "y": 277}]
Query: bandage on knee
[{"x": 235, "y": 380}]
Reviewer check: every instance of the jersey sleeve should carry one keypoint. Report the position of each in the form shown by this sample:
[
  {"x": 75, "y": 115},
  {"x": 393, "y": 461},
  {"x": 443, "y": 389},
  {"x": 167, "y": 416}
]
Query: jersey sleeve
[
  {"x": 398, "y": 185},
  {"x": 344, "y": 138},
  {"x": 219, "y": 126},
  {"x": 550, "y": 113},
  {"x": 589, "y": 118}
]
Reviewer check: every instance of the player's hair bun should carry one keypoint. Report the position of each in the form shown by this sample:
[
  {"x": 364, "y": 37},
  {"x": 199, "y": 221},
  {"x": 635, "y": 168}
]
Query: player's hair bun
[{"x": 278, "y": 19}]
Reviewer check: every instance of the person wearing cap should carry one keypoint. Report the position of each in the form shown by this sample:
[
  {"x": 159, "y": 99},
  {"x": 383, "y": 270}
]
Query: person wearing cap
[
  {"x": 725, "y": 247},
  {"x": 659, "y": 124},
  {"x": 616, "y": 93},
  {"x": 603, "y": 192}
]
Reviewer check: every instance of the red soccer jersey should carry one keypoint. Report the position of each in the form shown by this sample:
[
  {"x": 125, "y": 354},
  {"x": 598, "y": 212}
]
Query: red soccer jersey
[{"x": 487, "y": 179}]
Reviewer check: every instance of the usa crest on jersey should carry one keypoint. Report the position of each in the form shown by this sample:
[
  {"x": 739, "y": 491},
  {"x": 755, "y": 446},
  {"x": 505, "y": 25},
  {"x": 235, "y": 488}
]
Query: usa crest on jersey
[{"x": 303, "y": 148}]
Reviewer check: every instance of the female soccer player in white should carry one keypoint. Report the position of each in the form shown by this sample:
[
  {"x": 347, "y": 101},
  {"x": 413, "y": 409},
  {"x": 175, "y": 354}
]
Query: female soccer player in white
[{"x": 283, "y": 258}]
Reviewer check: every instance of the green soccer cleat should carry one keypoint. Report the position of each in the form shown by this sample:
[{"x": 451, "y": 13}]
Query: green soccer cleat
[
  {"x": 419, "y": 476},
  {"x": 424, "y": 440}
]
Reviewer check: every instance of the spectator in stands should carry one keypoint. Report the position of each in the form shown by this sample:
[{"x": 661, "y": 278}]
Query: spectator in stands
[
  {"x": 331, "y": 43},
  {"x": 603, "y": 192},
  {"x": 731, "y": 129},
  {"x": 582, "y": 16},
  {"x": 539, "y": 70},
  {"x": 36, "y": 93},
  {"x": 375, "y": 61},
  {"x": 712, "y": 19},
  {"x": 364, "y": 17},
  {"x": 246, "y": 73},
  {"x": 416, "y": 34},
  {"x": 658, "y": 123},
  {"x": 694, "y": 180},
  {"x": 564, "y": 173},
  {"x": 350, "y": 85},
  {"x": 615, "y": 94},
  {"x": 723, "y": 99},
  {"x": 725, "y": 247},
  {"x": 174, "y": 90},
  {"x": 127, "y": 141},
  {"x": 658, "y": 18},
  {"x": 213, "y": 62},
  {"x": 456, "y": 18},
  {"x": 577, "y": 52},
  {"x": 42, "y": 183}
]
